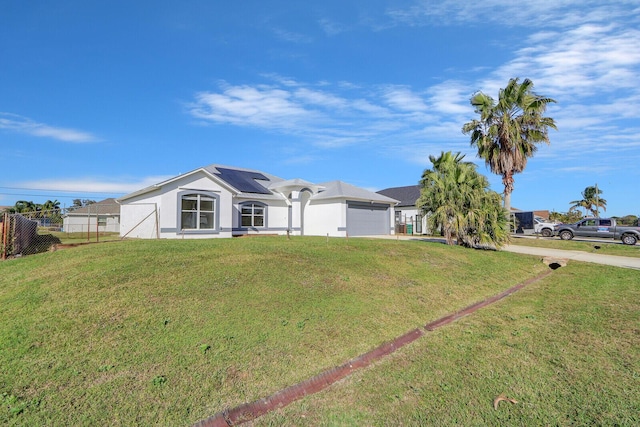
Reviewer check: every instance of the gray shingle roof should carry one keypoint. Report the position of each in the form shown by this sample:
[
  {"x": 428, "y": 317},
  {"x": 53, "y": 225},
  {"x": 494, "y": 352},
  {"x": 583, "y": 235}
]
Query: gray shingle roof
[
  {"x": 103, "y": 207},
  {"x": 266, "y": 181},
  {"x": 408, "y": 195},
  {"x": 339, "y": 189}
]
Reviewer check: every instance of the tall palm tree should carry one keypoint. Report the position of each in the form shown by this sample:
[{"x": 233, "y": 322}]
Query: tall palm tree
[
  {"x": 591, "y": 201},
  {"x": 51, "y": 205},
  {"x": 460, "y": 204},
  {"x": 508, "y": 130}
]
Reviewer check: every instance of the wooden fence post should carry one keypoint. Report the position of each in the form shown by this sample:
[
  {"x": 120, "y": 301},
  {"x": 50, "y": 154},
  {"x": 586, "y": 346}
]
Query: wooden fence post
[{"x": 5, "y": 232}]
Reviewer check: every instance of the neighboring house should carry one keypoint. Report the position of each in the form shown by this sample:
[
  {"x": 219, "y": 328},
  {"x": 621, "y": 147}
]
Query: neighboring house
[
  {"x": 408, "y": 218},
  {"x": 103, "y": 216},
  {"x": 222, "y": 201}
]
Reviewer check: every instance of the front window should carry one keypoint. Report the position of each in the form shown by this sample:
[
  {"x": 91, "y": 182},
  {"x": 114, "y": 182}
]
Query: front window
[
  {"x": 252, "y": 215},
  {"x": 197, "y": 212}
]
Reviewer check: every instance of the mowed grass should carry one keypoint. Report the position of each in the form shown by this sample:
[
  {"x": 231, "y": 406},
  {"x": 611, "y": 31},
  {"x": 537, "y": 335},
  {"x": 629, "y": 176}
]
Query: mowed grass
[
  {"x": 80, "y": 237},
  {"x": 171, "y": 332},
  {"x": 567, "y": 349}
]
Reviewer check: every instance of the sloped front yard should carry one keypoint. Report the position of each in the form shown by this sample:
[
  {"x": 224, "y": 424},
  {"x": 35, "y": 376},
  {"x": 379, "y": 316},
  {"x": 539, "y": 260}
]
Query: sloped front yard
[{"x": 172, "y": 332}]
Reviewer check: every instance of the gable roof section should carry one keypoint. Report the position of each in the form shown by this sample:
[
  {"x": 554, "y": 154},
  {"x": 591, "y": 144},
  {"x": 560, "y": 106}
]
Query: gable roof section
[
  {"x": 159, "y": 185},
  {"x": 407, "y": 195},
  {"x": 342, "y": 190},
  {"x": 246, "y": 179},
  {"x": 103, "y": 207},
  {"x": 249, "y": 183}
]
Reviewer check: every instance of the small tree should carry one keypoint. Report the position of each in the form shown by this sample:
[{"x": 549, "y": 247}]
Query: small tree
[
  {"x": 566, "y": 217},
  {"x": 629, "y": 220},
  {"x": 460, "y": 203},
  {"x": 79, "y": 203}
]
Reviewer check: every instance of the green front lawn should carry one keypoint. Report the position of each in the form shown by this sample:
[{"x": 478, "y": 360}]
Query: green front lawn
[{"x": 171, "y": 332}]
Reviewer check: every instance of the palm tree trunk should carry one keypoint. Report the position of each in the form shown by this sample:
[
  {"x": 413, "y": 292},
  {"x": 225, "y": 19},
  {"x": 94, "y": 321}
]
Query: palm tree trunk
[
  {"x": 507, "y": 202},
  {"x": 507, "y": 181}
]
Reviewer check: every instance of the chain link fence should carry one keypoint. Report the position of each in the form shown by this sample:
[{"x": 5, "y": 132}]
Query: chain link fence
[
  {"x": 20, "y": 236},
  {"x": 28, "y": 233}
]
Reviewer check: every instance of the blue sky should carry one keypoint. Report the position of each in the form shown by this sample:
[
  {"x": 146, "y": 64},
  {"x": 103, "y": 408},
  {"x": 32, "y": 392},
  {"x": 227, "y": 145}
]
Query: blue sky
[{"x": 98, "y": 99}]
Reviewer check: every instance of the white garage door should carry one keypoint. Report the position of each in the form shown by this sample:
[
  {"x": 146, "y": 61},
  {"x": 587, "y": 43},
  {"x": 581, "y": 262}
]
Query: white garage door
[{"x": 367, "y": 219}]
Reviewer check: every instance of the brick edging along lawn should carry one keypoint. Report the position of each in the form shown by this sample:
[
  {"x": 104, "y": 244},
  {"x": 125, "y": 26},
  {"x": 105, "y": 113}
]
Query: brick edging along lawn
[{"x": 249, "y": 411}]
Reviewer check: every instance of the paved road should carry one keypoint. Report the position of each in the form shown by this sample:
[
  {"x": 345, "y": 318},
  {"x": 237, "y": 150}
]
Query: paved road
[{"x": 614, "y": 260}]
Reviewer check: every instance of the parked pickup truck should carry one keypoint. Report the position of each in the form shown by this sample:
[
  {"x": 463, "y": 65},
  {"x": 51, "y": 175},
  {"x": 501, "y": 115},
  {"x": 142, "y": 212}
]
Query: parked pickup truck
[
  {"x": 544, "y": 227},
  {"x": 598, "y": 227}
]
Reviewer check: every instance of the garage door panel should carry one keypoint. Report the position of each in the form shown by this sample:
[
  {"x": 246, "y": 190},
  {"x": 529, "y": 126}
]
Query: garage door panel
[{"x": 367, "y": 219}]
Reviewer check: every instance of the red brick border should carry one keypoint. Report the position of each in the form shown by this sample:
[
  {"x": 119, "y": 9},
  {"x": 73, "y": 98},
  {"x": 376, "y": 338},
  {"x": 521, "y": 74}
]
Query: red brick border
[{"x": 249, "y": 411}]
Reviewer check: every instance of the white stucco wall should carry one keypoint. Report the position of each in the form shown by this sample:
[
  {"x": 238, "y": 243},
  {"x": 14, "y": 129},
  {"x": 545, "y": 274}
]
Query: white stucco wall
[
  {"x": 323, "y": 218},
  {"x": 277, "y": 216},
  {"x": 138, "y": 219},
  {"x": 133, "y": 211},
  {"x": 82, "y": 224},
  {"x": 157, "y": 213}
]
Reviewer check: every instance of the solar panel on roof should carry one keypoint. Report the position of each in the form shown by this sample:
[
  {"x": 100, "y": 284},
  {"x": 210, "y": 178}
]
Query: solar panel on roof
[{"x": 244, "y": 180}]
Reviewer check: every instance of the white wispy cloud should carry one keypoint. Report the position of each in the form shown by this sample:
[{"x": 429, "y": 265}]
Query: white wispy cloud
[
  {"x": 323, "y": 114},
  {"x": 588, "y": 60},
  {"x": 92, "y": 184},
  {"x": 261, "y": 106},
  {"x": 507, "y": 13},
  {"x": 450, "y": 97},
  {"x": 291, "y": 36},
  {"x": 404, "y": 99},
  {"x": 582, "y": 61},
  {"x": 20, "y": 124},
  {"x": 591, "y": 68},
  {"x": 331, "y": 28}
]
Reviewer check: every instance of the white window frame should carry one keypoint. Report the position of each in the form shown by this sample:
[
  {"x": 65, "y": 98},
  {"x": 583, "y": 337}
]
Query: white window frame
[
  {"x": 201, "y": 212},
  {"x": 252, "y": 215}
]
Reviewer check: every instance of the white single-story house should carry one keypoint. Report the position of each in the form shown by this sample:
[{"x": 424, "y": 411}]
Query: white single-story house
[
  {"x": 102, "y": 216},
  {"x": 408, "y": 218},
  {"x": 223, "y": 201}
]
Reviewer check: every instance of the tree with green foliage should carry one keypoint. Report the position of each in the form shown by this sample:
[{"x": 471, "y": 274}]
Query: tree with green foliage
[
  {"x": 51, "y": 210},
  {"x": 628, "y": 220},
  {"x": 24, "y": 206},
  {"x": 508, "y": 131},
  {"x": 565, "y": 217},
  {"x": 590, "y": 202},
  {"x": 51, "y": 205},
  {"x": 458, "y": 201},
  {"x": 79, "y": 203}
]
